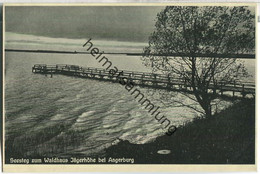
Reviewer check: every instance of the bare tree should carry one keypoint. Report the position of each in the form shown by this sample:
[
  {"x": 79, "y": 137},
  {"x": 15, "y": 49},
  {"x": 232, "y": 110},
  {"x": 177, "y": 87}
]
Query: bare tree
[{"x": 209, "y": 30}]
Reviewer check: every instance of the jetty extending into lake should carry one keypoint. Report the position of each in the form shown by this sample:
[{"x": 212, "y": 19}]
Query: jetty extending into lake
[{"x": 144, "y": 79}]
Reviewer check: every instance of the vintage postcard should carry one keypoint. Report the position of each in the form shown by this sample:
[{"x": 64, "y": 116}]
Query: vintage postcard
[{"x": 129, "y": 87}]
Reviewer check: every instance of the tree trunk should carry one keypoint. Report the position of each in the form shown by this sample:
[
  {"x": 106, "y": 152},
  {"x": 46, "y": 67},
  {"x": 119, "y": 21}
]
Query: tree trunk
[
  {"x": 204, "y": 101},
  {"x": 208, "y": 111},
  {"x": 201, "y": 94},
  {"x": 207, "y": 108}
]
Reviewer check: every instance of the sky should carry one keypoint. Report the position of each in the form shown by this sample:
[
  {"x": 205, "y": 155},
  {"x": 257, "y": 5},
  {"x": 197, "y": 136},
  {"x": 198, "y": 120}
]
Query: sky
[{"x": 100, "y": 22}]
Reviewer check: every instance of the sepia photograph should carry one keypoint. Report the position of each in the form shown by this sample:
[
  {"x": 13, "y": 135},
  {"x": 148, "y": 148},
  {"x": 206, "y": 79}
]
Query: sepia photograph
[{"x": 129, "y": 84}]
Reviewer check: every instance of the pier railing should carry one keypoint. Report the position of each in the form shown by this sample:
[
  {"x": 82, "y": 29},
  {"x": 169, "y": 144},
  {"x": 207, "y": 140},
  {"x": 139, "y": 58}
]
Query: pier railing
[{"x": 145, "y": 79}]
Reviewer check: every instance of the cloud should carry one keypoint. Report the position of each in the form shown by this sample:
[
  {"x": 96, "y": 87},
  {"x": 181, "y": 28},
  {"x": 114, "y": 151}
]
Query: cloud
[{"x": 100, "y": 22}]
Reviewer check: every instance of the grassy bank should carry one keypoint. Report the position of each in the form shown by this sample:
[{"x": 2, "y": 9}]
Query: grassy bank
[{"x": 226, "y": 138}]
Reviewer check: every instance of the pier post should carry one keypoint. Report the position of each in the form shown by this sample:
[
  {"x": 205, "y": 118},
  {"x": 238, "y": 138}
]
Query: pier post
[
  {"x": 129, "y": 79},
  {"x": 154, "y": 81},
  {"x": 215, "y": 86},
  {"x": 91, "y": 73},
  {"x": 185, "y": 84},
  {"x": 44, "y": 70},
  {"x": 221, "y": 88},
  {"x": 243, "y": 91},
  {"x": 234, "y": 88},
  {"x": 169, "y": 81},
  {"x": 100, "y": 75},
  {"x": 142, "y": 81},
  {"x": 110, "y": 76}
]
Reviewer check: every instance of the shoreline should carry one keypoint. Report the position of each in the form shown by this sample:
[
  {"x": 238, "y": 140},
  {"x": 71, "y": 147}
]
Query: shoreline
[{"x": 227, "y": 137}]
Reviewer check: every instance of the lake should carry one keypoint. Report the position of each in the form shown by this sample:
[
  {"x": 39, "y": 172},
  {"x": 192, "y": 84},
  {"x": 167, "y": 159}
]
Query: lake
[{"x": 68, "y": 116}]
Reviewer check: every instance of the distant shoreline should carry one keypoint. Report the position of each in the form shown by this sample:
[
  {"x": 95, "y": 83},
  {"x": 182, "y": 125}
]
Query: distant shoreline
[{"x": 239, "y": 56}]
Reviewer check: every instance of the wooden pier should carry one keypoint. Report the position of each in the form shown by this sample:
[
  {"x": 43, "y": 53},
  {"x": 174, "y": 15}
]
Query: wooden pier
[{"x": 144, "y": 79}]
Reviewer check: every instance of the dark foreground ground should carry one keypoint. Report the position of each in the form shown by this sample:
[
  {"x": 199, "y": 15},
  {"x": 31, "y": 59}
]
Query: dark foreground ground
[{"x": 226, "y": 138}]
